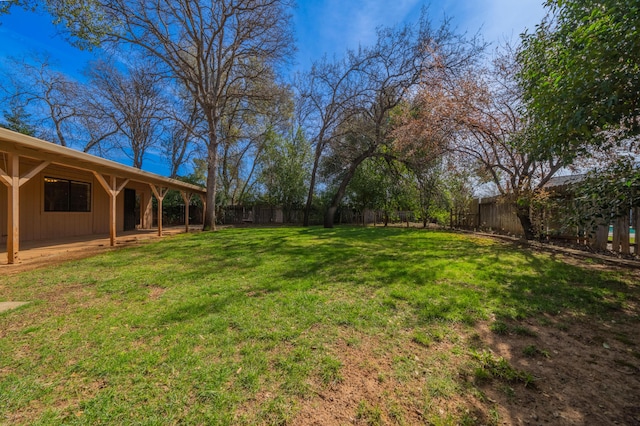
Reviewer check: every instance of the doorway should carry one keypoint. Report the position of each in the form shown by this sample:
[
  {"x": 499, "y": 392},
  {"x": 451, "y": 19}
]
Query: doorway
[{"x": 129, "y": 209}]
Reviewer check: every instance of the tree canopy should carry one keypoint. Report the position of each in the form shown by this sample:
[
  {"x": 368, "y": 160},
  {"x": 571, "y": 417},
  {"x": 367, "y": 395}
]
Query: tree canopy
[{"x": 581, "y": 75}]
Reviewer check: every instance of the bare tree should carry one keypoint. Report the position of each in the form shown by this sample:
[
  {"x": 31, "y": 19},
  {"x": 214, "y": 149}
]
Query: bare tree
[
  {"x": 208, "y": 47},
  {"x": 58, "y": 105},
  {"x": 182, "y": 133},
  {"x": 267, "y": 106},
  {"x": 393, "y": 68},
  {"x": 48, "y": 94},
  {"x": 328, "y": 95},
  {"x": 481, "y": 112},
  {"x": 132, "y": 100}
]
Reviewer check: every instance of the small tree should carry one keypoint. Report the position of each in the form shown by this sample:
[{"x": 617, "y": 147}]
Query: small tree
[
  {"x": 430, "y": 186},
  {"x": 17, "y": 119}
]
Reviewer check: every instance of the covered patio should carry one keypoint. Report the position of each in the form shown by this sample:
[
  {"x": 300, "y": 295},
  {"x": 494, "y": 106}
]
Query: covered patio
[{"x": 55, "y": 193}]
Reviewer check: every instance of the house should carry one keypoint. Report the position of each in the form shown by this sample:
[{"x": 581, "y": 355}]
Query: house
[{"x": 56, "y": 192}]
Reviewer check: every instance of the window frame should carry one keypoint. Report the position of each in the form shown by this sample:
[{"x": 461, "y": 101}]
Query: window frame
[{"x": 68, "y": 205}]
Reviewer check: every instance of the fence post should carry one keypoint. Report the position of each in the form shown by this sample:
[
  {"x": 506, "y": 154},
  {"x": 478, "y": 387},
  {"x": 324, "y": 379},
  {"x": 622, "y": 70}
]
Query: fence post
[
  {"x": 636, "y": 225},
  {"x": 624, "y": 234},
  {"x": 621, "y": 235},
  {"x": 616, "y": 236},
  {"x": 635, "y": 215}
]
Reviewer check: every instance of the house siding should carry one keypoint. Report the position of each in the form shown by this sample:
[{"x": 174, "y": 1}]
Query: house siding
[{"x": 36, "y": 224}]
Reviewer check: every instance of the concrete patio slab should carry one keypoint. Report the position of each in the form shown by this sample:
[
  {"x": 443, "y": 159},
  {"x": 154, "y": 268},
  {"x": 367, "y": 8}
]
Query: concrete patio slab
[{"x": 5, "y": 306}]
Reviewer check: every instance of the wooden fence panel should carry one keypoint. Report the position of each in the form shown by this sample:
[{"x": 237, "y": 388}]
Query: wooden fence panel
[
  {"x": 497, "y": 216},
  {"x": 494, "y": 215}
]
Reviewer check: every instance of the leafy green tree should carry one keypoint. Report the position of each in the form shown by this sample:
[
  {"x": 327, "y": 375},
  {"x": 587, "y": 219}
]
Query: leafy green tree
[
  {"x": 581, "y": 75},
  {"x": 429, "y": 178},
  {"x": 383, "y": 184},
  {"x": 85, "y": 22},
  {"x": 285, "y": 170},
  {"x": 458, "y": 189}
]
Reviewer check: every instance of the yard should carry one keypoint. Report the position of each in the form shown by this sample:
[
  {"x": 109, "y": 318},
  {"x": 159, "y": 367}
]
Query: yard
[{"x": 310, "y": 326}]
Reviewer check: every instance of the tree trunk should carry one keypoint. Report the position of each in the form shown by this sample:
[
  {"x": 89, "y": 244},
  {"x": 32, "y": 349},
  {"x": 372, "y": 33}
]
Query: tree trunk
[
  {"x": 333, "y": 207},
  {"x": 209, "y": 221},
  {"x": 312, "y": 183},
  {"x": 525, "y": 220},
  {"x": 329, "y": 216}
]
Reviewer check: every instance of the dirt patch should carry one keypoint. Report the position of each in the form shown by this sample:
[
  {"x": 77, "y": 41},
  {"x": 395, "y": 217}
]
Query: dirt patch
[
  {"x": 585, "y": 371},
  {"x": 40, "y": 254},
  {"x": 51, "y": 256},
  {"x": 382, "y": 385},
  {"x": 155, "y": 292}
]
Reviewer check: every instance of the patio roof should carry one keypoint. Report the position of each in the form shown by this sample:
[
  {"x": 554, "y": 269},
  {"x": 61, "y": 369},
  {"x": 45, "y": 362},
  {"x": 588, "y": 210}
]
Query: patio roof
[
  {"x": 112, "y": 177},
  {"x": 30, "y": 147}
]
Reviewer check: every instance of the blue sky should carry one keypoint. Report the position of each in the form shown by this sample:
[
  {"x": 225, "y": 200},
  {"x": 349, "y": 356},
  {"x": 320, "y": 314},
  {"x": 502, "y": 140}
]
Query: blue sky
[
  {"x": 322, "y": 27},
  {"x": 331, "y": 26}
]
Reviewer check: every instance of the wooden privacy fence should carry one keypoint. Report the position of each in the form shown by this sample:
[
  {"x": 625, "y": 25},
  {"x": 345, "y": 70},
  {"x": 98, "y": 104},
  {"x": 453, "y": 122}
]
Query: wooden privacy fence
[
  {"x": 622, "y": 233},
  {"x": 488, "y": 214},
  {"x": 251, "y": 215},
  {"x": 265, "y": 214},
  {"x": 493, "y": 215}
]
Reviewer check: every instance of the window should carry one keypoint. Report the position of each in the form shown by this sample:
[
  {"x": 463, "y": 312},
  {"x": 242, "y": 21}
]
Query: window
[{"x": 63, "y": 195}]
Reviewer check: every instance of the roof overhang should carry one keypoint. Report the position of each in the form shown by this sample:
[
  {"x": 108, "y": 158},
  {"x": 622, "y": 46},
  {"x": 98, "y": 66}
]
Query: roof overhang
[{"x": 38, "y": 149}]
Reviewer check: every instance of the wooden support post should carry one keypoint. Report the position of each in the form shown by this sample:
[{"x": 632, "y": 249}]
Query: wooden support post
[
  {"x": 112, "y": 190},
  {"x": 113, "y": 213},
  {"x": 160, "y": 193},
  {"x": 12, "y": 179},
  {"x": 141, "y": 212},
  {"x": 203, "y": 199},
  {"x": 146, "y": 211},
  {"x": 13, "y": 207},
  {"x": 186, "y": 197}
]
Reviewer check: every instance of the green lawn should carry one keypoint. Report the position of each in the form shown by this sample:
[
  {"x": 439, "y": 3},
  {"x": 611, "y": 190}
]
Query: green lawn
[{"x": 257, "y": 326}]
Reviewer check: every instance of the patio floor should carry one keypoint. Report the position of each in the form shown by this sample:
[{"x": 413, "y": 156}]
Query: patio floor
[{"x": 35, "y": 254}]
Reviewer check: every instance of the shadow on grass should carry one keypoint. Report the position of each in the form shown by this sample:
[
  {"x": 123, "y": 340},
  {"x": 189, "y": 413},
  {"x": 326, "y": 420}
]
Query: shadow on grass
[
  {"x": 238, "y": 294},
  {"x": 441, "y": 275}
]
